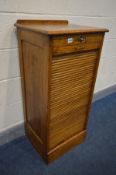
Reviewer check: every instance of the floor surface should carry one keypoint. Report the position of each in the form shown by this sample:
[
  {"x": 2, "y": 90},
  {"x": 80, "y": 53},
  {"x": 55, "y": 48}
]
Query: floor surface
[{"x": 96, "y": 156}]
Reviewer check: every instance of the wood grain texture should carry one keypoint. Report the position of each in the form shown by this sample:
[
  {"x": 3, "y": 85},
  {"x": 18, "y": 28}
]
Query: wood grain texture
[
  {"x": 55, "y": 27},
  {"x": 40, "y": 22},
  {"x": 65, "y": 146},
  {"x": 58, "y": 79},
  {"x": 80, "y": 42},
  {"x": 34, "y": 72},
  {"x": 71, "y": 80}
]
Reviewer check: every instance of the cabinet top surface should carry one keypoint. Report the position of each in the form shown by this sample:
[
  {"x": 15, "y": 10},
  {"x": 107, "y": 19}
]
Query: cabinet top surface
[{"x": 55, "y": 27}]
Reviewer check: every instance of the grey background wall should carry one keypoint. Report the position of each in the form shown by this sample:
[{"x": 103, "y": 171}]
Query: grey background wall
[{"x": 99, "y": 13}]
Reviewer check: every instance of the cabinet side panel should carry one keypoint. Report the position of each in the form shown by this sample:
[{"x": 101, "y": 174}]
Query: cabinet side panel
[
  {"x": 34, "y": 63},
  {"x": 35, "y": 67}
]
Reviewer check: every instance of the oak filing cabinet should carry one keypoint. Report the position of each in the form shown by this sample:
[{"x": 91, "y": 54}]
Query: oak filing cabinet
[{"x": 59, "y": 63}]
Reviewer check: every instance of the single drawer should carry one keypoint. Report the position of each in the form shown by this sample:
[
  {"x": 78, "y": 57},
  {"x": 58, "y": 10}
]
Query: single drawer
[{"x": 64, "y": 44}]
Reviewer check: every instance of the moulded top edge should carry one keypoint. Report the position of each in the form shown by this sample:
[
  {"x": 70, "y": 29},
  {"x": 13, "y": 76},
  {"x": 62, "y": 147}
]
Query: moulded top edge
[{"x": 55, "y": 27}]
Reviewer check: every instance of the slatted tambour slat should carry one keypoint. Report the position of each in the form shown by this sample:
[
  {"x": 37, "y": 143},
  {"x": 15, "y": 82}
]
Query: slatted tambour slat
[
  {"x": 58, "y": 63},
  {"x": 71, "y": 82}
]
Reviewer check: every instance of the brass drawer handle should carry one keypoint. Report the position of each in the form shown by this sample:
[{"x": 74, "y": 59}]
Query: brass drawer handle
[{"x": 81, "y": 38}]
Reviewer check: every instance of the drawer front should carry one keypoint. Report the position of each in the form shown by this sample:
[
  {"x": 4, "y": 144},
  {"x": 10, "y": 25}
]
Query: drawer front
[
  {"x": 74, "y": 43},
  {"x": 70, "y": 87}
]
